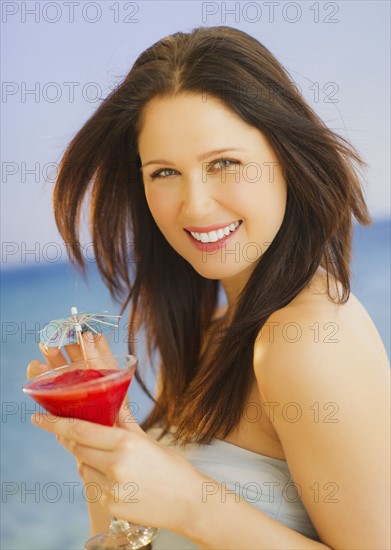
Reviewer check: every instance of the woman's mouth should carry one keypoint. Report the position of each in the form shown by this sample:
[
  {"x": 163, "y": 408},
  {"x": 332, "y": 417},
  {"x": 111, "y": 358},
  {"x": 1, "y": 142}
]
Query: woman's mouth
[
  {"x": 215, "y": 239},
  {"x": 216, "y": 235}
]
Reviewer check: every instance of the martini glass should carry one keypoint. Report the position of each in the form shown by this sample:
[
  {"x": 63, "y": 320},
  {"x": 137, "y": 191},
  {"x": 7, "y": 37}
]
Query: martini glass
[{"x": 93, "y": 390}]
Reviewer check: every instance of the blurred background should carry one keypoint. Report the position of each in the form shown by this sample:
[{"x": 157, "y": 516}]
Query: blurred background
[{"x": 59, "y": 59}]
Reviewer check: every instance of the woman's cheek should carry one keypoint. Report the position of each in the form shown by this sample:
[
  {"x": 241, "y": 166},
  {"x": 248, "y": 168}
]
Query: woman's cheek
[{"x": 161, "y": 206}]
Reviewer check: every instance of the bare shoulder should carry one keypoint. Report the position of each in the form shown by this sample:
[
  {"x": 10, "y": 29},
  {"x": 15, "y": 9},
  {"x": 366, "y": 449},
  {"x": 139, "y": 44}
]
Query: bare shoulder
[
  {"x": 314, "y": 326},
  {"x": 315, "y": 346}
]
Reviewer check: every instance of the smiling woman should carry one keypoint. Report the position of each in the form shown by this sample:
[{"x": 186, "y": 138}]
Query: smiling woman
[{"x": 257, "y": 432}]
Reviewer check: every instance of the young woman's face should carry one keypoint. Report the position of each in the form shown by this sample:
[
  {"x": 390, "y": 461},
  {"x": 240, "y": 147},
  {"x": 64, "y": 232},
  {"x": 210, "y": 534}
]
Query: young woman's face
[{"x": 212, "y": 182}]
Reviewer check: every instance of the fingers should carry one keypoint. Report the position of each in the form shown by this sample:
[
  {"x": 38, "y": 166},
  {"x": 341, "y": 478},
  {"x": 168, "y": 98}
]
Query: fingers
[
  {"x": 95, "y": 345},
  {"x": 75, "y": 352},
  {"x": 93, "y": 476},
  {"x": 88, "y": 473},
  {"x": 102, "y": 346},
  {"x": 105, "y": 438},
  {"x": 54, "y": 356},
  {"x": 96, "y": 458},
  {"x": 36, "y": 367}
]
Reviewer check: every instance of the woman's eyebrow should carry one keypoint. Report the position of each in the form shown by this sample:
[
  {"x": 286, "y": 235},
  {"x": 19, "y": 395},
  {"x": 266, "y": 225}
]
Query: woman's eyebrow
[{"x": 203, "y": 156}]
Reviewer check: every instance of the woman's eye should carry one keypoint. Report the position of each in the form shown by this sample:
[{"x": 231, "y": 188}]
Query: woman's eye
[
  {"x": 162, "y": 173},
  {"x": 224, "y": 163},
  {"x": 215, "y": 165}
]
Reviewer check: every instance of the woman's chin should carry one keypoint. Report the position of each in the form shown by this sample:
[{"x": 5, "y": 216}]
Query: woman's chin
[{"x": 216, "y": 269}]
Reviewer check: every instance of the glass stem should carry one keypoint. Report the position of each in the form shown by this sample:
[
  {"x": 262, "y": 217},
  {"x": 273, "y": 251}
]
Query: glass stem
[{"x": 118, "y": 525}]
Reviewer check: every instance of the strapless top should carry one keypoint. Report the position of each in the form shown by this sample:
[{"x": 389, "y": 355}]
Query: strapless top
[{"x": 261, "y": 480}]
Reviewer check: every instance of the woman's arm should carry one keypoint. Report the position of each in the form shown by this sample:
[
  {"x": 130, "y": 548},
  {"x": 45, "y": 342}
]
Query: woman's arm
[
  {"x": 220, "y": 520},
  {"x": 328, "y": 399}
]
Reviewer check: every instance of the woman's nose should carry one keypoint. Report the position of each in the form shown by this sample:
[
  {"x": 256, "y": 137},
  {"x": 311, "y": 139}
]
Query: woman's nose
[{"x": 196, "y": 199}]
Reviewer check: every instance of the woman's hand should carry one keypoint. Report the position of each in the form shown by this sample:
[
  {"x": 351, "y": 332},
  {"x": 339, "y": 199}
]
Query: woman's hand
[{"x": 138, "y": 478}]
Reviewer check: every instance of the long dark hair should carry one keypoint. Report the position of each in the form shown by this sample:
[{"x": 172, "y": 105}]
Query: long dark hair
[{"x": 166, "y": 295}]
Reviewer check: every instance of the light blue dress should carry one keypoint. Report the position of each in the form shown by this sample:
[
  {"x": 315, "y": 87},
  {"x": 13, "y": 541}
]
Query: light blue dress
[{"x": 263, "y": 481}]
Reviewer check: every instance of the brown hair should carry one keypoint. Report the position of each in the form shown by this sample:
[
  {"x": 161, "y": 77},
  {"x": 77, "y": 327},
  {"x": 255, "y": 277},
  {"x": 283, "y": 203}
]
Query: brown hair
[{"x": 166, "y": 294}]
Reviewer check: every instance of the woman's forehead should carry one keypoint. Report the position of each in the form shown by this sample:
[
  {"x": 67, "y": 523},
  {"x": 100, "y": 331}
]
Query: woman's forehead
[{"x": 186, "y": 120}]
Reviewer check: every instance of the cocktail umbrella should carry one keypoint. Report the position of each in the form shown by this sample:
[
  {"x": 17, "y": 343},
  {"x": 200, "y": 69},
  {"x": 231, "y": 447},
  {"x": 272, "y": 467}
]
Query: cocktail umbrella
[{"x": 62, "y": 332}]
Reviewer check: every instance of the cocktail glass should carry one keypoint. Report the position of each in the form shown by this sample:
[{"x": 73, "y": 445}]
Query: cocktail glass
[{"x": 93, "y": 390}]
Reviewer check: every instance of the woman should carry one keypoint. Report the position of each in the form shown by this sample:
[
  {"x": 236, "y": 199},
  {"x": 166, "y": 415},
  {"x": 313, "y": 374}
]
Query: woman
[{"x": 270, "y": 412}]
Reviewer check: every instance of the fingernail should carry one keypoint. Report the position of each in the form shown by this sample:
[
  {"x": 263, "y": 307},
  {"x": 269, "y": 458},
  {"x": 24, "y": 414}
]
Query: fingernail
[
  {"x": 89, "y": 338},
  {"x": 41, "y": 367},
  {"x": 53, "y": 351}
]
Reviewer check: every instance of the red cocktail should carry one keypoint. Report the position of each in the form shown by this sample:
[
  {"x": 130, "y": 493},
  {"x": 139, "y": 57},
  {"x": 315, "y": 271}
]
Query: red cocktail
[{"x": 85, "y": 390}]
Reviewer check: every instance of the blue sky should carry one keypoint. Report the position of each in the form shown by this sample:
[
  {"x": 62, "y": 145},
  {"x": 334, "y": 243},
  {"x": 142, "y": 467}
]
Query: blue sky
[{"x": 68, "y": 52}]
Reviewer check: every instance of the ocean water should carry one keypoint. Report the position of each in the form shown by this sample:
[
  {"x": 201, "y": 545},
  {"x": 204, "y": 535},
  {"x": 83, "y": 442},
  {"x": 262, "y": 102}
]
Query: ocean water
[{"x": 43, "y": 505}]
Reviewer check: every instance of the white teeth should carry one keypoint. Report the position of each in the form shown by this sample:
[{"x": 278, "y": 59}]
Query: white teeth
[{"x": 214, "y": 236}]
